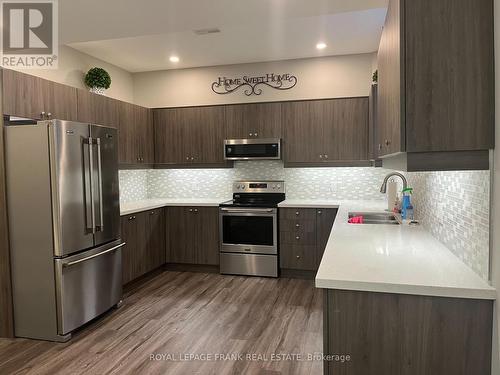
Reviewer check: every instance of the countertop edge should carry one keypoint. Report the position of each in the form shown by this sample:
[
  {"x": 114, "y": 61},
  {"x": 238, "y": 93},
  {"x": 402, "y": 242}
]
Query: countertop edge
[
  {"x": 418, "y": 290},
  {"x": 151, "y": 206}
]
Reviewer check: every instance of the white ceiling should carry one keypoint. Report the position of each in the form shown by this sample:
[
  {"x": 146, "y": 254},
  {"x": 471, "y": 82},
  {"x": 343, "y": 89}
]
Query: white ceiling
[{"x": 142, "y": 35}]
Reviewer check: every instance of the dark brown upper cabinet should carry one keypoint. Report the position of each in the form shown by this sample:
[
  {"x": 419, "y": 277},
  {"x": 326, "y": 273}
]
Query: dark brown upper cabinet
[
  {"x": 260, "y": 120},
  {"x": 135, "y": 132},
  {"x": 134, "y": 124},
  {"x": 436, "y": 85},
  {"x": 36, "y": 98},
  {"x": 332, "y": 132},
  {"x": 191, "y": 136}
]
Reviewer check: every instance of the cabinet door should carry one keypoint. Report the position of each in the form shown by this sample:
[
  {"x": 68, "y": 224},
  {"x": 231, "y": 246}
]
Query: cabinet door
[
  {"x": 346, "y": 137},
  {"x": 390, "y": 116},
  {"x": 154, "y": 239},
  {"x": 127, "y": 141},
  {"x": 205, "y": 134},
  {"x": 261, "y": 120},
  {"x": 61, "y": 101},
  {"x": 303, "y": 128},
  {"x": 181, "y": 225},
  {"x": 144, "y": 134},
  {"x": 449, "y": 65},
  {"x": 169, "y": 135},
  {"x": 98, "y": 109},
  {"x": 206, "y": 234},
  {"x": 23, "y": 95},
  {"x": 130, "y": 235},
  {"x": 324, "y": 224}
]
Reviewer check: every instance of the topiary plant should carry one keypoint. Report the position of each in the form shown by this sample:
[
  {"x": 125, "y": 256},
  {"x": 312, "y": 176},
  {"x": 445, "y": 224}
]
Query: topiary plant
[
  {"x": 375, "y": 76},
  {"x": 97, "y": 79}
]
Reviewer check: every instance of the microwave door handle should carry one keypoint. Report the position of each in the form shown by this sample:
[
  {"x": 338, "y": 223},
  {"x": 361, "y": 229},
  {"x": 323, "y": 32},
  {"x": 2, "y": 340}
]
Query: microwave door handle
[
  {"x": 99, "y": 171},
  {"x": 92, "y": 198}
]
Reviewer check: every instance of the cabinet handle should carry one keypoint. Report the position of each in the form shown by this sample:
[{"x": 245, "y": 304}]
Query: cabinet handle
[
  {"x": 256, "y": 134},
  {"x": 297, "y": 238},
  {"x": 321, "y": 156},
  {"x": 49, "y": 115},
  {"x": 326, "y": 156},
  {"x": 192, "y": 158},
  {"x": 320, "y": 212},
  {"x": 131, "y": 218},
  {"x": 380, "y": 146},
  {"x": 298, "y": 257},
  {"x": 297, "y": 212},
  {"x": 190, "y": 210},
  {"x": 387, "y": 142},
  {"x": 250, "y": 134},
  {"x": 297, "y": 225},
  {"x": 152, "y": 213},
  {"x": 196, "y": 210}
]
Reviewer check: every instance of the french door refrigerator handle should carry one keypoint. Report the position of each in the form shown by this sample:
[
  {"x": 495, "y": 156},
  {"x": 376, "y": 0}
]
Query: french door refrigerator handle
[
  {"x": 99, "y": 166},
  {"x": 69, "y": 264},
  {"x": 92, "y": 198}
]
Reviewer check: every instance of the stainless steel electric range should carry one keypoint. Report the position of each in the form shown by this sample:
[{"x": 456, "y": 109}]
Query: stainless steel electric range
[{"x": 249, "y": 229}]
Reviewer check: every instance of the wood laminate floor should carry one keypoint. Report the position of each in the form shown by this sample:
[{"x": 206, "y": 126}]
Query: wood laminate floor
[{"x": 180, "y": 314}]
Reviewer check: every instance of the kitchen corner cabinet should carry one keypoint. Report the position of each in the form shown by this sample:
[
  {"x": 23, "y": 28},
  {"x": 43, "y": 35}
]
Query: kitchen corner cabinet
[
  {"x": 304, "y": 233},
  {"x": 436, "y": 79},
  {"x": 35, "y": 98},
  {"x": 144, "y": 234},
  {"x": 259, "y": 120},
  {"x": 193, "y": 235},
  {"x": 328, "y": 132},
  {"x": 189, "y": 136}
]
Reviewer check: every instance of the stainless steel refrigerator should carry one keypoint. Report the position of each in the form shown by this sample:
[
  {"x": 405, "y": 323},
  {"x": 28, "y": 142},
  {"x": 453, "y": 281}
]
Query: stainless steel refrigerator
[{"x": 64, "y": 225}]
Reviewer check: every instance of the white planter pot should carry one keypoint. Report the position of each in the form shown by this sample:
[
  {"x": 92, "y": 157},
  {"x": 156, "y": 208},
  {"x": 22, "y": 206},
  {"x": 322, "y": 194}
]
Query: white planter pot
[{"x": 98, "y": 90}]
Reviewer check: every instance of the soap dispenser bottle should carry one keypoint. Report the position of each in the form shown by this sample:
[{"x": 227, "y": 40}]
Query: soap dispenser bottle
[{"x": 406, "y": 207}]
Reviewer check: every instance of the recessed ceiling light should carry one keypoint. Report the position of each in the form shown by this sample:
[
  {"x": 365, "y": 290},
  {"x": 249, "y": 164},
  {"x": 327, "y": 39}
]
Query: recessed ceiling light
[
  {"x": 174, "y": 59},
  {"x": 321, "y": 45}
]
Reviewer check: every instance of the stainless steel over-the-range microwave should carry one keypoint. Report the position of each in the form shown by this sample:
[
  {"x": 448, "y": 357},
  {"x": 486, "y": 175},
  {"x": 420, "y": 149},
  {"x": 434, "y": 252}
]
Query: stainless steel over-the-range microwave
[{"x": 252, "y": 149}]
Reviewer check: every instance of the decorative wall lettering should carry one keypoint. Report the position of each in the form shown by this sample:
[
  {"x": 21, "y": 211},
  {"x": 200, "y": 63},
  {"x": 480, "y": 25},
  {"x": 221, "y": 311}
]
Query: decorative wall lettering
[{"x": 225, "y": 85}]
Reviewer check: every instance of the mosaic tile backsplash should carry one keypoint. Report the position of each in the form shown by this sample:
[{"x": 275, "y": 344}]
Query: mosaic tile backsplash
[
  {"x": 453, "y": 206},
  {"x": 305, "y": 183}
]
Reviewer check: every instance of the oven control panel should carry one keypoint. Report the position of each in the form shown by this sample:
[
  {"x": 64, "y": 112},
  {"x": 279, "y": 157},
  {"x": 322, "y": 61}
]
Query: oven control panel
[{"x": 259, "y": 187}]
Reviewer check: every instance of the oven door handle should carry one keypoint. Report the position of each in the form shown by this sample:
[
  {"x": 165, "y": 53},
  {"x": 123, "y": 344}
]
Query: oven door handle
[{"x": 250, "y": 210}]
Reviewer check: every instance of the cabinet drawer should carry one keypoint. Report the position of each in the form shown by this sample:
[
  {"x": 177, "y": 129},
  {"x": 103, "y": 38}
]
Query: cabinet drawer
[
  {"x": 298, "y": 257},
  {"x": 297, "y": 225},
  {"x": 298, "y": 237},
  {"x": 298, "y": 214}
]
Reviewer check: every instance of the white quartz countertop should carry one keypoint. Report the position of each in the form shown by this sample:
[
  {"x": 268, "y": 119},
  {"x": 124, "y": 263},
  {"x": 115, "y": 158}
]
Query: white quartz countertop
[
  {"x": 390, "y": 258},
  {"x": 149, "y": 204}
]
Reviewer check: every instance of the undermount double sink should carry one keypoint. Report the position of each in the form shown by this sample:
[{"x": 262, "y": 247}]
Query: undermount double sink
[{"x": 385, "y": 218}]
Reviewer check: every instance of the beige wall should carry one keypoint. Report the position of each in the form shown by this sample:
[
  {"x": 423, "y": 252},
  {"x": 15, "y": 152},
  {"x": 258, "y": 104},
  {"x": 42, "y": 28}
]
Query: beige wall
[
  {"x": 495, "y": 228},
  {"x": 74, "y": 64},
  {"x": 326, "y": 77}
]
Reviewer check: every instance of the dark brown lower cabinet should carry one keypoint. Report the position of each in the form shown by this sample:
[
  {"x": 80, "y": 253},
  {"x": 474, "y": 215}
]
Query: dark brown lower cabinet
[
  {"x": 397, "y": 334},
  {"x": 304, "y": 233},
  {"x": 193, "y": 234},
  {"x": 144, "y": 234}
]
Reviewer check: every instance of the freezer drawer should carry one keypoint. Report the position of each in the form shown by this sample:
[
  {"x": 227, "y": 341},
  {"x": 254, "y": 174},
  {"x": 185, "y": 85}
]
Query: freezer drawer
[
  {"x": 249, "y": 264},
  {"x": 87, "y": 285}
]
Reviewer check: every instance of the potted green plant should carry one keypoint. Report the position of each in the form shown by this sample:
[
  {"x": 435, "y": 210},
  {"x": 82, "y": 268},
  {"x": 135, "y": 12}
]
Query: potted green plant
[
  {"x": 98, "y": 80},
  {"x": 375, "y": 77}
]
